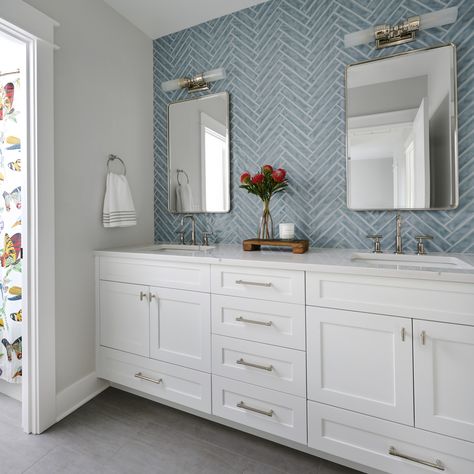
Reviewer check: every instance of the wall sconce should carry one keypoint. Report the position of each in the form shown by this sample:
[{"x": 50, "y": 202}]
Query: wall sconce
[
  {"x": 199, "y": 82},
  {"x": 386, "y": 35}
]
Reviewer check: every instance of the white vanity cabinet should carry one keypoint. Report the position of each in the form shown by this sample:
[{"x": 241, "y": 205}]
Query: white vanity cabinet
[
  {"x": 370, "y": 366},
  {"x": 257, "y": 381},
  {"x": 375, "y": 359},
  {"x": 156, "y": 339}
]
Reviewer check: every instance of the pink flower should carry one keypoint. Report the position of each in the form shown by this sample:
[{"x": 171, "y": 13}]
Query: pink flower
[
  {"x": 267, "y": 168},
  {"x": 258, "y": 178},
  {"x": 245, "y": 177},
  {"x": 279, "y": 175}
]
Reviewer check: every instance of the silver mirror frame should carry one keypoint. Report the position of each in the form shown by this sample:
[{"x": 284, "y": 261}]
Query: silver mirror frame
[
  {"x": 206, "y": 96},
  {"x": 454, "y": 149}
]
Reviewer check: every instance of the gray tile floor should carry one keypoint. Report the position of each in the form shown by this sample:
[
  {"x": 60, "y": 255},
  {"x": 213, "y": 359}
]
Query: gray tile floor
[{"x": 120, "y": 433}]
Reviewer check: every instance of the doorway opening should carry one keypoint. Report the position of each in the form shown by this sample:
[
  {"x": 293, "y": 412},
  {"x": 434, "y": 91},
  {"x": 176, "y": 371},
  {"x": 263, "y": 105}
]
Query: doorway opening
[{"x": 13, "y": 146}]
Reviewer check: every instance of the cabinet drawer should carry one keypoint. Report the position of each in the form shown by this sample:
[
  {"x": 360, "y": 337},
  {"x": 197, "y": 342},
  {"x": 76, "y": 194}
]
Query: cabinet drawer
[
  {"x": 260, "y": 364},
  {"x": 185, "y": 276},
  {"x": 266, "y": 410},
  {"x": 427, "y": 299},
  {"x": 260, "y": 283},
  {"x": 187, "y": 387},
  {"x": 281, "y": 324},
  {"x": 368, "y": 441}
]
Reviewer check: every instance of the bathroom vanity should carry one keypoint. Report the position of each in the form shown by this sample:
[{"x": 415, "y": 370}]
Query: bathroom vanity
[{"x": 359, "y": 358}]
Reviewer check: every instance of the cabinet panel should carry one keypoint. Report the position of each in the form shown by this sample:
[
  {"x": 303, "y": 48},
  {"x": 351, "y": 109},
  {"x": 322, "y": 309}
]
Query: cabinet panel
[
  {"x": 180, "y": 328},
  {"x": 272, "y": 367},
  {"x": 266, "y": 410},
  {"x": 362, "y": 362},
  {"x": 124, "y": 317},
  {"x": 367, "y": 440},
  {"x": 260, "y": 283},
  {"x": 428, "y": 299},
  {"x": 444, "y": 381},
  {"x": 168, "y": 274},
  {"x": 281, "y": 324},
  {"x": 187, "y": 387}
]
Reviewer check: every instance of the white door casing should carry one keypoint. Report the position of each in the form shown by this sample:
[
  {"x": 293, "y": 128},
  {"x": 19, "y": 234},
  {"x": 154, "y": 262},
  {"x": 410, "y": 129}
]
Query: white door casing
[{"x": 36, "y": 30}]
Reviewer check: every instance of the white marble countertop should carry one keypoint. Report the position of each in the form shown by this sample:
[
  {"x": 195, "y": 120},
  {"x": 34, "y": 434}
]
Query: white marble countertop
[{"x": 316, "y": 259}]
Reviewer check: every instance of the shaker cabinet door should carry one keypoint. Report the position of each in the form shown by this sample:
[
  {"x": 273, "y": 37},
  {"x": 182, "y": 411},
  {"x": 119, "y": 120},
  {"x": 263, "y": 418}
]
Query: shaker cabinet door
[
  {"x": 361, "y": 362},
  {"x": 124, "y": 317},
  {"x": 444, "y": 381},
  {"x": 180, "y": 327}
]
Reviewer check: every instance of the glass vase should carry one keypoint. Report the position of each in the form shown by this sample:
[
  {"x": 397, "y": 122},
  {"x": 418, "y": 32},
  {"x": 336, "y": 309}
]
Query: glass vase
[{"x": 265, "y": 228}]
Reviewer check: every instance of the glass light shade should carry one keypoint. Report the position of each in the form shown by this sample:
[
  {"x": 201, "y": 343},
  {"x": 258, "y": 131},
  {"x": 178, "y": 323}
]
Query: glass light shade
[
  {"x": 438, "y": 18},
  {"x": 214, "y": 75},
  {"x": 172, "y": 85}
]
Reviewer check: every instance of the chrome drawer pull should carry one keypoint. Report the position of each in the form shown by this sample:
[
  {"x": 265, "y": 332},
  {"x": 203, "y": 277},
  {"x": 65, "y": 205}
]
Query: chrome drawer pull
[
  {"x": 256, "y": 410},
  {"x": 403, "y": 334},
  {"x": 139, "y": 375},
  {"x": 253, "y": 283},
  {"x": 241, "y": 361},
  {"x": 436, "y": 465},
  {"x": 253, "y": 321},
  {"x": 143, "y": 295},
  {"x": 423, "y": 338}
]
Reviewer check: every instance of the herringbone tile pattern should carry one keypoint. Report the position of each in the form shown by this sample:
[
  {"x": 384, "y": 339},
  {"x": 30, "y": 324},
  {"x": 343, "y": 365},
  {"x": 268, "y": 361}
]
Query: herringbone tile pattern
[{"x": 285, "y": 62}]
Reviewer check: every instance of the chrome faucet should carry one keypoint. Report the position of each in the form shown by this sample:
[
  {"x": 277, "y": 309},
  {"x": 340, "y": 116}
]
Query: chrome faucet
[
  {"x": 193, "y": 227},
  {"x": 398, "y": 235}
]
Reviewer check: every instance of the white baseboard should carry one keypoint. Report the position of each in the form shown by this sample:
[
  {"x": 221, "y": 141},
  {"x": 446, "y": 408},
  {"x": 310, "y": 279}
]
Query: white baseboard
[
  {"x": 12, "y": 390},
  {"x": 80, "y": 392}
]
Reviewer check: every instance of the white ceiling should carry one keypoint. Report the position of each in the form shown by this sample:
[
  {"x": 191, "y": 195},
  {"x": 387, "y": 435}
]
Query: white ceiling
[{"x": 158, "y": 18}]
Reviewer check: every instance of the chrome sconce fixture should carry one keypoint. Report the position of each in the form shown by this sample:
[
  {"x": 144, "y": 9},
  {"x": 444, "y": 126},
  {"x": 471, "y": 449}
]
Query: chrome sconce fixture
[
  {"x": 197, "y": 83},
  {"x": 405, "y": 32}
]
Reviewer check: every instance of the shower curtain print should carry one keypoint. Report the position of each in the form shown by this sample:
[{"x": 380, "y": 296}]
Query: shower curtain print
[{"x": 10, "y": 230}]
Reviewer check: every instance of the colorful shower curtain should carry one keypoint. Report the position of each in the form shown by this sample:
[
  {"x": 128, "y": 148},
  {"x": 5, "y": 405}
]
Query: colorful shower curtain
[{"x": 10, "y": 229}]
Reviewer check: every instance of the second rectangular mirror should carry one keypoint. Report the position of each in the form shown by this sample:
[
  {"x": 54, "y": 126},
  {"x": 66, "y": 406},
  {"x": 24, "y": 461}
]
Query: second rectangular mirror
[
  {"x": 401, "y": 126},
  {"x": 198, "y": 155}
]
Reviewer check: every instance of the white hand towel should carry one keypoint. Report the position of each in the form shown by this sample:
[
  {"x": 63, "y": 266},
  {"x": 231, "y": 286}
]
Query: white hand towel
[
  {"x": 184, "y": 198},
  {"x": 119, "y": 210}
]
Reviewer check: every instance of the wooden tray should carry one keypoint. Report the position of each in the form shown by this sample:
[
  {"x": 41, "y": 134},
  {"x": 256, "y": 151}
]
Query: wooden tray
[{"x": 297, "y": 246}]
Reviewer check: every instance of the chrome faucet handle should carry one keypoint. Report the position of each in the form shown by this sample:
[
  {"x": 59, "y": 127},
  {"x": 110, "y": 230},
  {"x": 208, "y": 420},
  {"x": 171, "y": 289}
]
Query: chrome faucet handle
[
  {"x": 181, "y": 236},
  {"x": 420, "y": 245},
  {"x": 205, "y": 238},
  {"x": 377, "y": 244}
]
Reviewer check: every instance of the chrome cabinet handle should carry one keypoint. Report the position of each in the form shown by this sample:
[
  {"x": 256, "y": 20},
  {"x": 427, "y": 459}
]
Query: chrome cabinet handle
[
  {"x": 256, "y": 410},
  {"x": 423, "y": 338},
  {"x": 252, "y": 283},
  {"x": 253, "y": 321},
  {"x": 241, "y": 361},
  {"x": 143, "y": 295},
  {"x": 403, "y": 334},
  {"x": 436, "y": 465},
  {"x": 151, "y": 296},
  {"x": 139, "y": 375}
]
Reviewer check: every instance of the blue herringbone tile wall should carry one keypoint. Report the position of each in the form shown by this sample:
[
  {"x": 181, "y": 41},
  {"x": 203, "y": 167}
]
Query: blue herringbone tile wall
[{"x": 285, "y": 63}]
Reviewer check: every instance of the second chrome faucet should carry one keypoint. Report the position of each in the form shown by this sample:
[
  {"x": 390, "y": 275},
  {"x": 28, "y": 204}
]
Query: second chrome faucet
[{"x": 420, "y": 249}]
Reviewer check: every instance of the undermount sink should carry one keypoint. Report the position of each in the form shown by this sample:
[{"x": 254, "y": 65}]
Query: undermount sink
[
  {"x": 418, "y": 261},
  {"x": 179, "y": 248}
]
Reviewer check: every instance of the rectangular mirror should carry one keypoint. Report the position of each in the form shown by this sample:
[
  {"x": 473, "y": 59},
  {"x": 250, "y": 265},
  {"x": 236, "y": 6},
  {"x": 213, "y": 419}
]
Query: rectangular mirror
[
  {"x": 401, "y": 131},
  {"x": 198, "y": 155}
]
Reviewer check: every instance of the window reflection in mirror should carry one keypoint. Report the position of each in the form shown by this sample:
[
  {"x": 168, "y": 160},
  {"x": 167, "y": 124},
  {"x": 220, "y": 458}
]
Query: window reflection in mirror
[
  {"x": 198, "y": 155},
  {"x": 401, "y": 131}
]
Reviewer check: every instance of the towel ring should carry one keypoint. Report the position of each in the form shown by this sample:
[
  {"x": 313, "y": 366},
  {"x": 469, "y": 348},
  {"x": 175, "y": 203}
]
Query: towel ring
[
  {"x": 115, "y": 157},
  {"x": 185, "y": 174}
]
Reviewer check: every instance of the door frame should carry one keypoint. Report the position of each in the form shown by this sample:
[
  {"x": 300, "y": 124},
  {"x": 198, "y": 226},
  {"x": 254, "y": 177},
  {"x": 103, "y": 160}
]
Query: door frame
[{"x": 36, "y": 30}]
